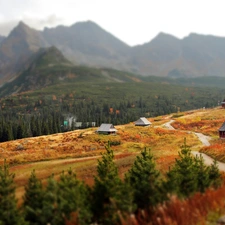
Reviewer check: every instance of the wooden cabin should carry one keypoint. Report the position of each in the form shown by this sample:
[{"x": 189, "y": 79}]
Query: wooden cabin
[
  {"x": 223, "y": 103},
  {"x": 106, "y": 128},
  {"x": 142, "y": 122},
  {"x": 222, "y": 131}
]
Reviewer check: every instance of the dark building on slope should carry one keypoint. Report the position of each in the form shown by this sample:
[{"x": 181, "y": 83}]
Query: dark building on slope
[{"x": 222, "y": 131}]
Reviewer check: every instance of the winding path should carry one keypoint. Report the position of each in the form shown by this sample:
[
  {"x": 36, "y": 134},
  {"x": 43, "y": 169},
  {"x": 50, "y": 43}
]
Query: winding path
[
  {"x": 203, "y": 138},
  {"x": 205, "y": 141},
  {"x": 168, "y": 125},
  {"x": 208, "y": 160}
]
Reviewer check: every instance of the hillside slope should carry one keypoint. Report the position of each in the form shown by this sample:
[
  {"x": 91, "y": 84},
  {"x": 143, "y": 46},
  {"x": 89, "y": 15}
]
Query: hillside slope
[
  {"x": 85, "y": 146},
  {"x": 48, "y": 67},
  {"x": 79, "y": 151}
]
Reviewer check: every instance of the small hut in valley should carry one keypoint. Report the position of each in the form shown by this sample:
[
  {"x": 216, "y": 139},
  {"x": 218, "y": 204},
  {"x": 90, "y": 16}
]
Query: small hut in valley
[
  {"x": 142, "y": 122},
  {"x": 106, "y": 128},
  {"x": 222, "y": 131},
  {"x": 223, "y": 103}
]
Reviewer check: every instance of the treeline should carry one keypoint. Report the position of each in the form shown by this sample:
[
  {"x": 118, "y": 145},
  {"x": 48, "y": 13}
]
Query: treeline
[
  {"x": 21, "y": 117},
  {"x": 111, "y": 199},
  {"x": 14, "y": 126},
  {"x": 48, "y": 118}
]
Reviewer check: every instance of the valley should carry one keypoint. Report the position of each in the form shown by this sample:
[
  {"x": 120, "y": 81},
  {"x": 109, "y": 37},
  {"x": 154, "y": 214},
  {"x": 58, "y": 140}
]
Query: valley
[
  {"x": 54, "y": 98},
  {"x": 80, "y": 149},
  {"x": 100, "y": 129}
]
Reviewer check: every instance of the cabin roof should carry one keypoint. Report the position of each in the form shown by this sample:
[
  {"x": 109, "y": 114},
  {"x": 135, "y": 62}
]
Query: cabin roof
[
  {"x": 222, "y": 128},
  {"x": 106, "y": 127},
  {"x": 142, "y": 121}
]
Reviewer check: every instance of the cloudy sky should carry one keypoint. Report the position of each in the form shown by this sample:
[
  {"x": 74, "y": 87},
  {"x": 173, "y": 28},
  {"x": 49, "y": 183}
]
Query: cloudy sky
[{"x": 132, "y": 21}]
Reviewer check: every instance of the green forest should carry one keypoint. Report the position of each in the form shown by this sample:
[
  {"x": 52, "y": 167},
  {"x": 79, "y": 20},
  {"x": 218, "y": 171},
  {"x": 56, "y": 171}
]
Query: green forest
[
  {"x": 111, "y": 199},
  {"x": 44, "y": 111}
]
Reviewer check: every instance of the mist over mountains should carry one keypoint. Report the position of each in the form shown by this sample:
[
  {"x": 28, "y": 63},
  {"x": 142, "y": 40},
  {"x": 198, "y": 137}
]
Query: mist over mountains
[
  {"x": 1, "y": 38},
  {"x": 86, "y": 43}
]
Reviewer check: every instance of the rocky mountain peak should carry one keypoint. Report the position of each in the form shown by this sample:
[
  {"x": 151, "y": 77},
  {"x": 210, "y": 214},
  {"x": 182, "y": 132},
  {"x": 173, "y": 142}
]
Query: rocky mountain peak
[
  {"x": 1, "y": 38},
  {"x": 87, "y": 43},
  {"x": 164, "y": 39},
  {"x": 50, "y": 57}
]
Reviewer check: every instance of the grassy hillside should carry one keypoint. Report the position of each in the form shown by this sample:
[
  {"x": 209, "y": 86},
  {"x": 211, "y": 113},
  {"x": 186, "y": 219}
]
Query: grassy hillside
[
  {"x": 81, "y": 149},
  {"x": 85, "y": 146},
  {"x": 205, "y": 81},
  {"x": 148, "y": 98}
]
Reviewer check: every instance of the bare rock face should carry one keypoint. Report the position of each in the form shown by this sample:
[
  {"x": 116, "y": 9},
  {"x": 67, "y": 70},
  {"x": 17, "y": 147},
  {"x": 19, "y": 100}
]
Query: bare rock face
[
  {"x": 16, "y": 49},
  {"x": 86, "y": 43}
]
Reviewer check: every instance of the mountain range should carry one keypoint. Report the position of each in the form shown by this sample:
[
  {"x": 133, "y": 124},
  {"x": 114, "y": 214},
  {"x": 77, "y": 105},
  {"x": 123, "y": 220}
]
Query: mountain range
[{"x": 86, "y": 43}]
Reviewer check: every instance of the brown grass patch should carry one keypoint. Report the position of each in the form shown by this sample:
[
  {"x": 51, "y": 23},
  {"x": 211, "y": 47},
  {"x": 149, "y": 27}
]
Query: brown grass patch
[{"x": 80, "y": 149}]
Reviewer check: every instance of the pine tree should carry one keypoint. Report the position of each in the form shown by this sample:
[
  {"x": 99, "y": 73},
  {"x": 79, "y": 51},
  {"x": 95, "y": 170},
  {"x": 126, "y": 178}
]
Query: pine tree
[
  {"x": 38, "y": 126},
  {"x": 182, "y": 179},
  {"x": 214, "y": 175},
  {"x": 7, "y": 133},
  {"x": 72, "y": 197},
  {"x": 9, "y": 213},
  {"x": 44, "y": 127},
  {"x": 33, "y": 200},
  {"x": 190, "y": 174},
  {"x": 49, "y": 213},
  {"x": 20, "y": 132},
  {"x": 110, "y": 194},
  {"x": 33, "y": 128},
  {"x": 202, "y": 173},
  {"x": 145, "y": 181}
]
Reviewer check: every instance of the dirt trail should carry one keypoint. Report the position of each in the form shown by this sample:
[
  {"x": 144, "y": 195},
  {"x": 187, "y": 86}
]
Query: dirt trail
[
  {"x": 205, "y": 141},
  {"x": 203, "y": 138},
  {"x": 168, "y": 125},
  {"x": 208, "y": 160}
]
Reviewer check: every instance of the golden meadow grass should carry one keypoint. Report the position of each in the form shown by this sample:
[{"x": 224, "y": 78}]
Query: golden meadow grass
[{"x": 80, "y": 149}]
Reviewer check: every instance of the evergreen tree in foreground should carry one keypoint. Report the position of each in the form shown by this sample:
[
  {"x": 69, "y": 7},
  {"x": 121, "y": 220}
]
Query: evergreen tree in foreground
[
  {"x": 145, "y": 181},
  {"x": 49, "y": 207},
  {"x": 72, "y": 197},
  {"x": 9, "y": 213},
  {"x": 110, "y": 194},
  {"x": 189, "y": 174},
  {"x": 33, "y": 200},
  {"x": 215, "y": 175},
  {"x": 201, "y": 173}
]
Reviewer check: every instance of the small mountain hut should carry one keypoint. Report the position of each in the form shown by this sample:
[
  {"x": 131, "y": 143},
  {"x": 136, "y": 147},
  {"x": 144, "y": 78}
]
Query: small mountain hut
[
  {"x": 222, "y": 131},
  {"x": 106, "y": 128},
  {"x": 142, "y": 122},
  {"x": 223, "y": 103}
]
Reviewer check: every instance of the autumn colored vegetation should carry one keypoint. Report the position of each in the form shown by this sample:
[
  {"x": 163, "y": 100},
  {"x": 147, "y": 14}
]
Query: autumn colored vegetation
[
  {"x": 144, "y": 194},
  {"x": 216, "y": 150},
  {"x": 206, "y": 121},
  {"x": 81, "y": 152}
]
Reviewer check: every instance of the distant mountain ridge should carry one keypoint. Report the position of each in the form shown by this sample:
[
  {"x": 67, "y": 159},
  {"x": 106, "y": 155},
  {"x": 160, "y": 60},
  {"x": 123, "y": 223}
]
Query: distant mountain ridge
[
  {"x": 1, "y": 38},
  {"x": 86, "y": 43},
  {"x": 48, "y": 67}
]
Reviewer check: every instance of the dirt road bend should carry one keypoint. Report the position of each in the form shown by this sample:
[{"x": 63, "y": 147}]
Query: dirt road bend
[
  {"x": 205, "y": 141},
  {"x": 208, "y": 160},
  {"x": 203, "y": 138},
  {"x": 168, "y": 125}
]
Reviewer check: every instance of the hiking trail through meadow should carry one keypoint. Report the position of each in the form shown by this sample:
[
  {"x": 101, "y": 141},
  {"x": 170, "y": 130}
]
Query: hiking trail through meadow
[{"x": 205, "y": 142}]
